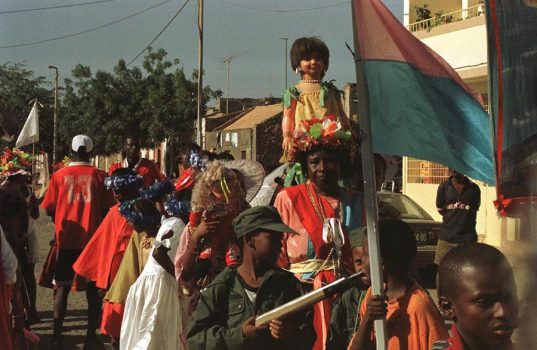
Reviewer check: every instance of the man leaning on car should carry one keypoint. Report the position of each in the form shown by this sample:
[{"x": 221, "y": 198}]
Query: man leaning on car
[{"x": 457, "y": 200}]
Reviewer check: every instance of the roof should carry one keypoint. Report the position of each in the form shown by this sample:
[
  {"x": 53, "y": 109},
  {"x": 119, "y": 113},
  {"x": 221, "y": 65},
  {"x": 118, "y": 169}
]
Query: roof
[{"x": 255, "y": 116}]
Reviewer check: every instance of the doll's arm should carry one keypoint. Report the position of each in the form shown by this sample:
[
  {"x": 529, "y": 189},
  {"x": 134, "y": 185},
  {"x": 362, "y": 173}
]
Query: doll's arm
[
  {"x": 343, "y": 118},
  {"x": 288, "y": 125}
]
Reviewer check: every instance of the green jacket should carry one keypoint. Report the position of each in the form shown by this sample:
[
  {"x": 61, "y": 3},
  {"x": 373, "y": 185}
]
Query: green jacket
[
  {"x": 345, "y": 318},
  {"x": 224, "y": 306}
]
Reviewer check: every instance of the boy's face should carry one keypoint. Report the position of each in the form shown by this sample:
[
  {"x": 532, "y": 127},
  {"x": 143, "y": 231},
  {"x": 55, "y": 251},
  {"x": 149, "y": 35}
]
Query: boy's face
[
  {"x": 358, "y": 261},
  {"x": 266, "y": 246},
  {"x": 485, "y": 307},
  {"x": 365, "y": 261}
]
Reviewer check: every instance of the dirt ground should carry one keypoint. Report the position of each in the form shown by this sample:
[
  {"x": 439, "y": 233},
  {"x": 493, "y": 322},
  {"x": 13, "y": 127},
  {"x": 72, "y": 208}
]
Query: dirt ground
[{"x": 75, "y": 321}]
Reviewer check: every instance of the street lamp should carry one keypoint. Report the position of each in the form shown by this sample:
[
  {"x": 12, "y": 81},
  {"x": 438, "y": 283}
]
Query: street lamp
[
  {"x": 55, "y": 134},
  {"x": 285, "y": 67}
]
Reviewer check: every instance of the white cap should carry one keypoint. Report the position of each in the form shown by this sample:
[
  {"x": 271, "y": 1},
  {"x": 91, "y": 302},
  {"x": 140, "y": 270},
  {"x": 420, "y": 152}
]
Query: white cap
[{"x": 82, "y": 140}]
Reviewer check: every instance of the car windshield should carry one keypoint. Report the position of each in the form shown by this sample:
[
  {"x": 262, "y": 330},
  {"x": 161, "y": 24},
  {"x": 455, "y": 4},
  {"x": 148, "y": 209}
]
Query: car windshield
[{"x": 404, "y": 205}]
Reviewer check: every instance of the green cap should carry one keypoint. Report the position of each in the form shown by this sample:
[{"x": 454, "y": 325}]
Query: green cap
[
  {"x": 259, "y": 218},
  {"x": 356, "y": 236}
]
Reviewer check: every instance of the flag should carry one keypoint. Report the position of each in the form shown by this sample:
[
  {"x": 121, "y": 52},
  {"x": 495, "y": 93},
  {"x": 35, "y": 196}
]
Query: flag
[
  {"x": 30, "y": 131},
  {"x": 512, "y": 43},
  {"x": 418, "y": 104}
]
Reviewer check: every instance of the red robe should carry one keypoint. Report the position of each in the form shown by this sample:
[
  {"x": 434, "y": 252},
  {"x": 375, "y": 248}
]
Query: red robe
[
  {"x": 5, "y": 317},
  {"x": 314, "y": 226},
  {"x": 100, "y": 259}
]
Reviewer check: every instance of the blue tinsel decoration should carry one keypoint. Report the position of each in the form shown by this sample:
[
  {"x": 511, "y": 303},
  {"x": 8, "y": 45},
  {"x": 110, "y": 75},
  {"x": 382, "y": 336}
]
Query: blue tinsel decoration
[
  {"x": 137, "y": 218},
  {"x": 158, "y": 190},
  {"x": 124, "y": 181}
]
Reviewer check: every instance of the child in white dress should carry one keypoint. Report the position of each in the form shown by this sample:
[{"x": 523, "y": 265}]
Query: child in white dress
[{"x": 152, "y": 318}]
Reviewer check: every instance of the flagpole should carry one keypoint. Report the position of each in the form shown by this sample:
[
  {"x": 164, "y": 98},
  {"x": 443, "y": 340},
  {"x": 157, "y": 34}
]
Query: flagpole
[
  {"x": 370, "y": 192},
  {"x": 34, "y": 166}
]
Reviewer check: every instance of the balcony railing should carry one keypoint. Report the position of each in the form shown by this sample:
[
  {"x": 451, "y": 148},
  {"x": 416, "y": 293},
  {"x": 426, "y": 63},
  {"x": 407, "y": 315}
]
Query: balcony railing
[{"x": 442, "y": 19}]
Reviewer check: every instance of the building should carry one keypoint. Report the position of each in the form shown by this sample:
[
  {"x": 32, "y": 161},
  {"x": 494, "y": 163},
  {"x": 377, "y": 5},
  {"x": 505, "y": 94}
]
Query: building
[
  {"x": 456, "y": 31},
  {"x": 253, "y": 134}
]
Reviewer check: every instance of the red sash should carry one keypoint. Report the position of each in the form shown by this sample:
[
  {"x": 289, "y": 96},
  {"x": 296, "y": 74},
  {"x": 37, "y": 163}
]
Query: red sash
[
  {"x": 302, "y": 203},
  {"x": 313, "y": 224}
]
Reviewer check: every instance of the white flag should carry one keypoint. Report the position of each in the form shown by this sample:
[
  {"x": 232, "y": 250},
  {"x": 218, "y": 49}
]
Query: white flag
[{"x": 30, "y": 131}]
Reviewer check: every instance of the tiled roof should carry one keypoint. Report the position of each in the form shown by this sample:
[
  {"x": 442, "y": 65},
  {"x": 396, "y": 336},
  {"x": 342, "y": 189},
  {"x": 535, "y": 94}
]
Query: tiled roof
[{"x": 255, "y": 116}]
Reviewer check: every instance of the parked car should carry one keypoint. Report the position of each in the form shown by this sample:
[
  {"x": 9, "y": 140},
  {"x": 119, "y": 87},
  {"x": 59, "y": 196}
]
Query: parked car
[{"x": 424, "y": 226}]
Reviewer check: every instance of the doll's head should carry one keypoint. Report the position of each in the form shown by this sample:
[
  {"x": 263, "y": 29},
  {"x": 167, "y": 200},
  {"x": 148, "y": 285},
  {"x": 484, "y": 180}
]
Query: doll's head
[
  {"x": 303, "y": 50},
  {"x": 217, "y": 185}
]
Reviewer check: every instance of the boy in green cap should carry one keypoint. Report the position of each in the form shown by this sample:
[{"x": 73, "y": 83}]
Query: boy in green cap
[
  {"x": 225, "y": 316},
  {"x": 345, "y": 317}
]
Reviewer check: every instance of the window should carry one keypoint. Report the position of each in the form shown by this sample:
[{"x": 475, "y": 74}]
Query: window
[
  {"x": 243, "y": 154},
  {"x": 425, "y": 172}
]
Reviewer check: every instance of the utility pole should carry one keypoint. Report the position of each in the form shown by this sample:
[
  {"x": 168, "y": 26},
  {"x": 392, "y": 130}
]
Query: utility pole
[
  {"x": 200, "y": 71},
  {"x": 55, "y": 123},
  {"x": 285, "y": 55},
  {"x": 227, "y": 62}
]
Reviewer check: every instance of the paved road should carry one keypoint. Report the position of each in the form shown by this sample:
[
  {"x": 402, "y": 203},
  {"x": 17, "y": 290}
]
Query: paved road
[{"x": 75, "y": 322}]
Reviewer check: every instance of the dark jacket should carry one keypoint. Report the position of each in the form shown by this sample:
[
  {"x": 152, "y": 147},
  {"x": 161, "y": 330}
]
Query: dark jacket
[
  {"x": 224, "y": 306},
  {"x": 459, "y": 211},
  {"x": 345, "y": 318}
]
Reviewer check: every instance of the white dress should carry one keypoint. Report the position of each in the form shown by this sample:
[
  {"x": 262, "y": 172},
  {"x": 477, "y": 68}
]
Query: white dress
[{"x": 152, "y": 318}]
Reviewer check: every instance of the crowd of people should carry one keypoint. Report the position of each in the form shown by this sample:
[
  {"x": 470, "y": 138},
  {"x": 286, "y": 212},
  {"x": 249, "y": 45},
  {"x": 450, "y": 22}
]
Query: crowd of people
[{"x": 190, "y": 264}]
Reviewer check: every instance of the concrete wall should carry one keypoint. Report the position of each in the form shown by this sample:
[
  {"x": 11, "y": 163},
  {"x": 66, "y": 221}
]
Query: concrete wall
[{"x": 460, "y": 47}]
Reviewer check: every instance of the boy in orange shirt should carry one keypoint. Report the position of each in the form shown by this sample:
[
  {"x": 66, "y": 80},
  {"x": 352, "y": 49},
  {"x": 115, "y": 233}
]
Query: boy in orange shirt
[{"x": 412, "y": 320}]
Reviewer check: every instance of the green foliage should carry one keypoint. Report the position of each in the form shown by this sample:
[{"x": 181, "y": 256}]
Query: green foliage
[
  {"x": 18, "y": 87},
  {"x": 422, "y": 12},
  {"x": 156, "y": 103}
]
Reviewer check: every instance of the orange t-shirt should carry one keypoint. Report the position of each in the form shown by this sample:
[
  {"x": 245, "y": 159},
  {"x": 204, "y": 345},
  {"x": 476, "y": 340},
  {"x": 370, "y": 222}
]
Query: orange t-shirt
[
  {"x": 78, "y": 198},
  {"x": 412, "y": 321}
]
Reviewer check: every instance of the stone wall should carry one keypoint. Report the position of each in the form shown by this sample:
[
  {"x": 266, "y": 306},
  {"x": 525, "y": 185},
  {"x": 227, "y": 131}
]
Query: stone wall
[{"x": 268, "y": 142}]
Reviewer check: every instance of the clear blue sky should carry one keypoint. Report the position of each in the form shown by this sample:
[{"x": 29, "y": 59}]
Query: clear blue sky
[{"x": 246, "y": 29}]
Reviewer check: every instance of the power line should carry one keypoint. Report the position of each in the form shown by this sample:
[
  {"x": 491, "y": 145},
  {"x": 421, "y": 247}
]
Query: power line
[
  {"x": 160, "y": 33},
  {"x": 283, "y": 11},
  {"x": 55, "y": 7},
  {"x": 86, "y": 31}
]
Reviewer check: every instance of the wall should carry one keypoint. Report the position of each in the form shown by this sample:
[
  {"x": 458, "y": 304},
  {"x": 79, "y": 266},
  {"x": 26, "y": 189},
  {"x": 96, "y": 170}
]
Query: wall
[
  {"x": 268, "y": 141},
  {"x": 244, "y": 142},
  {"x": 460, "y": 47}
]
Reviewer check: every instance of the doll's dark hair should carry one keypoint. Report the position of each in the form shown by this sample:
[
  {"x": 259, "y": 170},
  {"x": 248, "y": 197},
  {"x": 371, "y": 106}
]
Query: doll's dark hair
[{"x": 303, "y": 48}]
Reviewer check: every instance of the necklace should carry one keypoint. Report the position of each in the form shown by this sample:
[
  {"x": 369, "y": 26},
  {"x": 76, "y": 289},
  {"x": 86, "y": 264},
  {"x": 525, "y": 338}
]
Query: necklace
[
  {"x": 319, "y": 209},
  {"x": 311, "y": 81}
]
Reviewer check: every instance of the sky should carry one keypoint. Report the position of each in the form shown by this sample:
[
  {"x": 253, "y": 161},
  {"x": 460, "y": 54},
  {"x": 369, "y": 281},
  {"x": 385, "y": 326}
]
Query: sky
[{"x": 248, "y": 31}]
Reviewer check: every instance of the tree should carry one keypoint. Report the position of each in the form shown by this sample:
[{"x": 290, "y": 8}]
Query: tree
[
  {"x": 18, "y": 87},
  {"x": 155, "y": 104}
]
